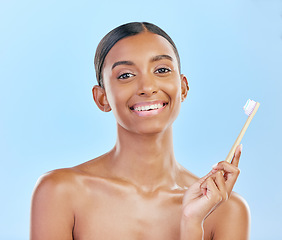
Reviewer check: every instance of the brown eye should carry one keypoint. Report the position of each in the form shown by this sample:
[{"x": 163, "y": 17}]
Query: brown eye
[
  {"x": 162, "y": 70},
  {"x": 125, "y": 75}
]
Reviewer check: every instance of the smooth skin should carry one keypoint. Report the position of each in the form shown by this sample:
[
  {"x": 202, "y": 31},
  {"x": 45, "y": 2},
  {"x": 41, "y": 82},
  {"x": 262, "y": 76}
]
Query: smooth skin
[{"x": 138, "y": 190}]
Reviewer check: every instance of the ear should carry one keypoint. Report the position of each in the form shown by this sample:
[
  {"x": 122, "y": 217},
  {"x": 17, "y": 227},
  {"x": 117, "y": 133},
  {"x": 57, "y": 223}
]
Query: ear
[
  {"x": 100, "y": 98},
  {"x": 184, "y": 87}
]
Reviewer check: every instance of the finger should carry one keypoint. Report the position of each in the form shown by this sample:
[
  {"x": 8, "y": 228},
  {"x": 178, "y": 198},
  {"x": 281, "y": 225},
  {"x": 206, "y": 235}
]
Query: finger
[
  {"x": 219, "y": 182},
  {"x": 196, "y": 188},
  {"x": 231, "y": 174},
  {"x": 221, "y": 185},
  {"x": 203, "y": 179},
  {"x": 212, "y": 191},
  {"x": 237, "y": 155},
  {"x": 227, "y": 167},
  {"x": 212, "y": 197}
]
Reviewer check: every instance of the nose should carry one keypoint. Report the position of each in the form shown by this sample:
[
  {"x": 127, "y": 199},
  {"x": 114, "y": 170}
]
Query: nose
[{"x": 147, "y": 86}]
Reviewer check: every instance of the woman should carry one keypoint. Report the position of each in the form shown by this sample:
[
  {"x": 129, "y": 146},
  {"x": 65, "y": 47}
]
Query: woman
[{"x": 137, "y": 190}]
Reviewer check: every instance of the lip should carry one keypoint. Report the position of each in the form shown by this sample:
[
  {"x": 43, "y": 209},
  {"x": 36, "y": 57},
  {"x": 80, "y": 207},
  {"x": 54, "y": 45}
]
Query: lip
[{"x": 151, "y": 112}]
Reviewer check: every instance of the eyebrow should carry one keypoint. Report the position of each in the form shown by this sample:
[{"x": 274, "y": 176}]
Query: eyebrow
[
  {"x": 153, "y": 59},
  {"x": 122, "y": 63},
  {"x": 160, "y": 57}
]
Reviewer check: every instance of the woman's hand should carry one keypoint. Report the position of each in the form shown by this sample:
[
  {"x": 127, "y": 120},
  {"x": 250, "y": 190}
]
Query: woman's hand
[{"x": 205, "y": 195}]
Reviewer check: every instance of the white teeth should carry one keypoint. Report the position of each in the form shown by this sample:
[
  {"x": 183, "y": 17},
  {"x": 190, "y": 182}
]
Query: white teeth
[{"x": 149, "y": 107}]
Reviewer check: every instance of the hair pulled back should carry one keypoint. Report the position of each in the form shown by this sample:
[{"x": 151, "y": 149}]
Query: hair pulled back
[{"x": 123, "y": 31}]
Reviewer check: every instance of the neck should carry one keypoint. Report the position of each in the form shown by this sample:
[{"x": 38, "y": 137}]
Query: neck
[{"x": 147, "y": 161}]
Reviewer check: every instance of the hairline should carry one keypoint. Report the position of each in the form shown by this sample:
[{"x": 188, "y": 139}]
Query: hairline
[{"x": 145, "y": 29}]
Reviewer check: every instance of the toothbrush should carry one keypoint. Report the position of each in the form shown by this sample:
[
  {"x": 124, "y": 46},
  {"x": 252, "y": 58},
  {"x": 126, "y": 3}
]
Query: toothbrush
[{"x": 250, "y": 109}]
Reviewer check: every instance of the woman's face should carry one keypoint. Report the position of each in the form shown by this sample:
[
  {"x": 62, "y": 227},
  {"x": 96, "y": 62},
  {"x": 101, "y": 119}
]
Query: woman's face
[{"x": 142, "y": 82}]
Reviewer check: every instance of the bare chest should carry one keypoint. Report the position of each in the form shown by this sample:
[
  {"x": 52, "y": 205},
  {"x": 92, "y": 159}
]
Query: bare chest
[{"x": 114, "y": 213}]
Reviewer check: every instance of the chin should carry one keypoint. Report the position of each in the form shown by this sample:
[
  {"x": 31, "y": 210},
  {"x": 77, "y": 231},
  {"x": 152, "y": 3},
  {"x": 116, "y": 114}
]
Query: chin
[{"x": 151, "y": 129}]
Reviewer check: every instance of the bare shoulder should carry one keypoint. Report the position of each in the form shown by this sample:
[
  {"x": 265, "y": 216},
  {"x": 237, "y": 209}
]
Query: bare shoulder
[
  {"x": 56, "y": 196},
  {"x": 55, "y": 189},
  {"x": 69, "y": 178},
  {"x": 52, "y": 215},
  {"x": 231, "y": 220},
  {"x": 236, "y": 205},
  {"x": 66, "y": 183},
  {"x": 56, "y": 178},
  {"x": 56, "y": 175}
]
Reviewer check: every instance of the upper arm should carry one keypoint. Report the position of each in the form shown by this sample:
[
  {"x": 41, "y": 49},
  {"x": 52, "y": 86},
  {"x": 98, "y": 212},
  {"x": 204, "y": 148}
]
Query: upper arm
[
  {"x": 51, "y": 209},
  {"x": 231, "y": 220}
]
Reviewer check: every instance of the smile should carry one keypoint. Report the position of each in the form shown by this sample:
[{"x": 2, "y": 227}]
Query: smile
[{"x": 148, "y": 109}]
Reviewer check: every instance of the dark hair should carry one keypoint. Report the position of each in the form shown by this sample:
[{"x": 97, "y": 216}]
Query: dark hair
[{"x": 123, "y": 31}]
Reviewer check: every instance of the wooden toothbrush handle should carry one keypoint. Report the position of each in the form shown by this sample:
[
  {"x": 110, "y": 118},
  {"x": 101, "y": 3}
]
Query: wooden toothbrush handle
[{"x": 240, "y": 136}]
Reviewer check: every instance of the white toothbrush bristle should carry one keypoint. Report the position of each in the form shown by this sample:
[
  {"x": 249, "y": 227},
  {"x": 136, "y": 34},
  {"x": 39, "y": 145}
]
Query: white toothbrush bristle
[{"x": 249, "y": 107}]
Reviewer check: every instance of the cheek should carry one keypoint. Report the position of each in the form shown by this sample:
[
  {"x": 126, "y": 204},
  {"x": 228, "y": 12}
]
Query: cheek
[
  {"x": 117, "y": 98},
  {"x": 173, "y": 89}
]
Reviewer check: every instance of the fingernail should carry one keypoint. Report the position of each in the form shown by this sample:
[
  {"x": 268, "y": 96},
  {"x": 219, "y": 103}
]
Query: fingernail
[
  {"x": 241, "y": 147},
  {"x": 215, "y": 165}
]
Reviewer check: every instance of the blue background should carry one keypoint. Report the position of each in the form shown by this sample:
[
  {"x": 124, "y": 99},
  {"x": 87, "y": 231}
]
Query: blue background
[{"x": 230, "y": 51}]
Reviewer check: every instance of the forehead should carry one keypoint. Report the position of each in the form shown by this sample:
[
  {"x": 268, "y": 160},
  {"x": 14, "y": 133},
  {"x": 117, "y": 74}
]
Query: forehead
[{"x": 140, "y": 47}]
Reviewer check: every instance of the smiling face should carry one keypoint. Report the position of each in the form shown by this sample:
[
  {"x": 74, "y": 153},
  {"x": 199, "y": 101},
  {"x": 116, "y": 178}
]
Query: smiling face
[{"x": 143, "y": 86}]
